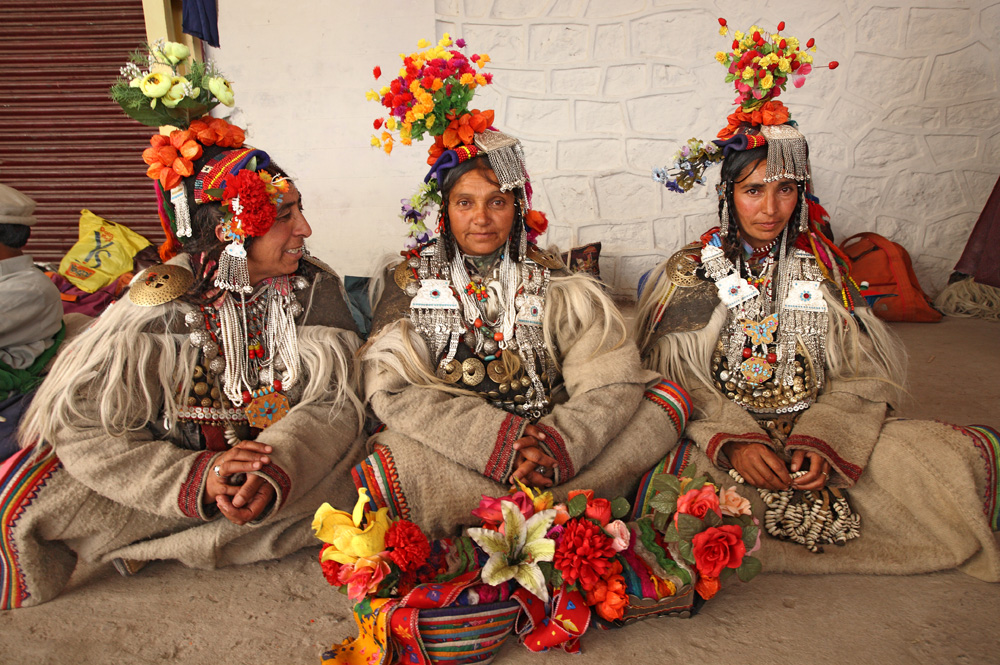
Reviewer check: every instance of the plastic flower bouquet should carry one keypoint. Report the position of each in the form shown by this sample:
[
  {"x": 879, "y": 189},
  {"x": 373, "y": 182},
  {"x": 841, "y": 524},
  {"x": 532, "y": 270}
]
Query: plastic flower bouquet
[
  {"x": 701, "y": 533},
  {"x": 152, "y": 90}
]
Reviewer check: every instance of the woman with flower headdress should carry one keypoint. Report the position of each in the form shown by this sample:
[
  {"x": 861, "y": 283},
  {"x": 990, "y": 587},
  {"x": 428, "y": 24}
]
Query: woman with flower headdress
[
  {"x": 488, "y": 361},
  {"x": 205, "y": 415},
  {"x": 792, "y": 377}
]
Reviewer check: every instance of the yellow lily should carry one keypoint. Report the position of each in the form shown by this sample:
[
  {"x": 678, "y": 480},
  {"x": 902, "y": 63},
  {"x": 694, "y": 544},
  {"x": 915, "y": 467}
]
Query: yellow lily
[
  {"x": 350, "y": 541},
  {"x": 539, "y": 499}
]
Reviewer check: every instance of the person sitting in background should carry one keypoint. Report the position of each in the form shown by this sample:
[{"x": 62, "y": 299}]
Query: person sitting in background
[{"x": 31, "y": 325}]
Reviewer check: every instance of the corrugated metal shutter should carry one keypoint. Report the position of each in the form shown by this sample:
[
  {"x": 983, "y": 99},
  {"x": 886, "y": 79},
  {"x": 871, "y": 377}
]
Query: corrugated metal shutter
[{"x": 63, "y": 142}]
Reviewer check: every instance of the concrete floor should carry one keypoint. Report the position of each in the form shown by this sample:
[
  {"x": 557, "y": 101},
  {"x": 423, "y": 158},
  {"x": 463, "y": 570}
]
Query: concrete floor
[{"x": 284, "y": 612}]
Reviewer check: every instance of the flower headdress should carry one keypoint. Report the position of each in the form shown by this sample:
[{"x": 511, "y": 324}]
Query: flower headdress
[
  {"x": 152, "y": 91},
  {"x": 432, "y": 97},
  {"x": 760, "y": 66}
]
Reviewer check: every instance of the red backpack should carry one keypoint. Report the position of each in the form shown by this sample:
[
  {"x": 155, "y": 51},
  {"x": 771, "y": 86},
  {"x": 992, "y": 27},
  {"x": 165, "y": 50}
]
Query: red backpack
[{"x": 886, "y": 267}]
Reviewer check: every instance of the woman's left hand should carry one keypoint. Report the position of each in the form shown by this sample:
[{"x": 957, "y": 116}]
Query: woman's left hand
[
  {"x": 817, "y": 475},
  {"x": 250, "y": 501}
]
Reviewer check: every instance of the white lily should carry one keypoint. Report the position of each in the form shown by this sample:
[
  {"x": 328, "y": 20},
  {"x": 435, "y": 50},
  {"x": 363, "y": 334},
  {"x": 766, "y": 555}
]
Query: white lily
[{"x": 515, "y": 553}]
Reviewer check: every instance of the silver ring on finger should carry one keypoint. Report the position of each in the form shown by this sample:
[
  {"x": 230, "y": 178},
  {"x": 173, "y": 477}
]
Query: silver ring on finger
[
  {"x": 218, "y": 471},
  {"x": 541, "y": 469}
]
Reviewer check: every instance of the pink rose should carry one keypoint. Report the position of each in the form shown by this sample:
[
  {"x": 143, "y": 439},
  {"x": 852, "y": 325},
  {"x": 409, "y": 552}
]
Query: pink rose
[
  {"x": 732, "y": 504},
  {"x": 620, "y": 535},
  {"x": 364, "y": 576},
  {"x": 717, "y": 548},
  {"x": 489, "y": 508},
  {"x": 699, "y": 502}
]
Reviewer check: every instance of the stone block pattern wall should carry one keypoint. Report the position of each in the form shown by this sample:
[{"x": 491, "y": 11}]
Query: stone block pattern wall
[{"x": 904, "y": 136}]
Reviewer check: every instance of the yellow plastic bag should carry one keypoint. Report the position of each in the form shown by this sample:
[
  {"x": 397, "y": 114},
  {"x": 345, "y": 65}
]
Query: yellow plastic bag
[{"x": 104, "y": 251}]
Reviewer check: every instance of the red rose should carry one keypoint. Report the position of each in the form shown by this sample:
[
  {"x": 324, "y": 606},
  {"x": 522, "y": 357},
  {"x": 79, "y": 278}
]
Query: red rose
[
  {"x": 600, "y": 510},
  {"x": 718, "y": 547},
  {"x": 407, "y": 545},
  {"x": 699, "y": 502},
  {"x": 583, "y": 553},
  {"x": 258, "y": 212}
]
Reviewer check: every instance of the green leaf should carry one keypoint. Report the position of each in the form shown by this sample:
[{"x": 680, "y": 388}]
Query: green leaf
[
  {"x": 547, "y": 569},
  {"x": 664, "y": 502},
  {"x": 577, "y": 505},
  {"x": 688, "y": 526},
  {"x": 730, "y": 78},
  {"x": 671, "y": 535},
  {"x": 690, "y": 471},
  {"x": 557, "y": 579},
  {"x": 660, "y": 521},
  {"x": 749, "y": 569},
  {"x": 620, "y": 507},
  {"x": 666, "y": 481},
  {"x": 252, "y": 164},
  {"x": 712, "y": 518},
  {"x": 696, "y": 484},
  {"x": 214, "y": 193},
  {"x": 684, "y": 548},
  {"x": 750, "y": 536},
  {"x": 726, "y": 574},
  {"x": 363, "y": 608}
]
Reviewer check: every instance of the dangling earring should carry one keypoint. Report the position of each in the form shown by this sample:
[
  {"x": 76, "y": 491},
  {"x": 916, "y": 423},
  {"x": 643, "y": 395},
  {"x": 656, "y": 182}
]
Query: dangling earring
[
  {"x": 724, "y": 224},
  {"x": 804, "y": 213},
  {"x": 233, "y": 273},
  {"x": 522, "y": 240}
]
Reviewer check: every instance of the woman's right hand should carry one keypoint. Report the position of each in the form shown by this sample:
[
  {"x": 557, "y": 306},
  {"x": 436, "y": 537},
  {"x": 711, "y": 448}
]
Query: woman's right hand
[
  {"x": 244, "y": 457},
  {"x": 759, "y": 465},
  {"x": 530, "y": 458}
]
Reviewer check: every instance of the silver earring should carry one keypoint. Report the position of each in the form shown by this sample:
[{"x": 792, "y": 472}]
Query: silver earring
[
  {"x": 804, "y": 215},
  {"x": 724, "y": 225}
]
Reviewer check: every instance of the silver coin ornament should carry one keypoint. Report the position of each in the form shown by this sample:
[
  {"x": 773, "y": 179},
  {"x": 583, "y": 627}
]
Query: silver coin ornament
[
  {"x": 299, "y": 282},
  {"x": 200, "y": 337},
  {"x": 192, "y": 317},
  {"x": 295, "y": 308},
  {"x": 211, "y": 350},
  {"x": 217, "y": 365}
]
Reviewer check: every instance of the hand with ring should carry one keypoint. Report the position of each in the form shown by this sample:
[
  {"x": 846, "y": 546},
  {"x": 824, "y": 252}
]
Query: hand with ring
[
  {"x": 531, "y": 465},
  {"x": 817, "y": 475},
  {"x": 244, "y": 457}
]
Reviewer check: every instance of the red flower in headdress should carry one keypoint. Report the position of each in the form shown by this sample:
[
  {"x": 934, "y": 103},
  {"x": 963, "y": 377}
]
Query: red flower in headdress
[
  {"x": 171, "y": 158},
  {"x": 216, "y": 131},
  {"x": 258, "y": 213},
  {"x": 768, "y": 113}
]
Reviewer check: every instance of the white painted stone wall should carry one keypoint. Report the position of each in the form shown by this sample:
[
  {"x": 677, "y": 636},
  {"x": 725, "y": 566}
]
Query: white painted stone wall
[{"x": 905, "y": 135}]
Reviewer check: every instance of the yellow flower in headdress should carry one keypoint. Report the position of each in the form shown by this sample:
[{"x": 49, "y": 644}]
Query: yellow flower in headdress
[
  {"x": 423, "y": 43},
  {"x": 721, "y": 57},
  {"x": 372, "y": 96},
  {"x": 784, "y": 65},
  {"x": 767, "y": 82},
  {"x": 748, "y": 73},
  {"x": 805, "y": 58}
]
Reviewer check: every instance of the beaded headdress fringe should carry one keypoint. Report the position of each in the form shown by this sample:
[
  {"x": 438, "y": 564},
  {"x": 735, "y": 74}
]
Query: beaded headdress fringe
[
  {"x": 506, "y": 159},
  {"x": 787, "y": 153}
]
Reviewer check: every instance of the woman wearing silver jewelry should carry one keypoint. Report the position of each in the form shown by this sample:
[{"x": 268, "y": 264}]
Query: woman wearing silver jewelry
[
  {"x": 792, "y": 380},
  {"x": 490, "y": 362},
  {"x": 206, "y": 415}
]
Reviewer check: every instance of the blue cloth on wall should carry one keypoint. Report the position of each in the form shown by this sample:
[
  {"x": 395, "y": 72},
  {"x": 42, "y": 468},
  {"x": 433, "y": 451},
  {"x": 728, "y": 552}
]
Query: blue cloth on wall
[{"x": 200, "y": 18}]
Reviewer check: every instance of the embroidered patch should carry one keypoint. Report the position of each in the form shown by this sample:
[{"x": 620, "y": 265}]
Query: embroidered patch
[
  {"x": 189, "y": 498},
  {"x": 498, "y": 465}
]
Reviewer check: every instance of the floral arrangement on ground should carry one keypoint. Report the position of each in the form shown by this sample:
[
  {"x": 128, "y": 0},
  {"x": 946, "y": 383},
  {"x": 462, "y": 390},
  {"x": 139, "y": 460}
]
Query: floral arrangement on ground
[{"x": 549, "y": 570}]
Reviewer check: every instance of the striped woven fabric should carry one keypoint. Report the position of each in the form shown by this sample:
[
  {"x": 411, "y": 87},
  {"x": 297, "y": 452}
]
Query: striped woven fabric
[
  {"x": 377, "y": 473},
  {"x": 674, "y": 400},
  {"x": 466, "y": 634},
  {"x": 987, "y": 440},
  {"x": 20, "y": 479},
  {"x": 675, "y": 462}
]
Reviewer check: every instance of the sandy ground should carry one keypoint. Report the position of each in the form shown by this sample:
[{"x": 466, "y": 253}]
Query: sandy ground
[{"x": 284, "y": 612}]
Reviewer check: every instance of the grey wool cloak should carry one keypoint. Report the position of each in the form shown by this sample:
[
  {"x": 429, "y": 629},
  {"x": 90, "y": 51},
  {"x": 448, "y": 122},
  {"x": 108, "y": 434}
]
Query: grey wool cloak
[
  {"x": 444, "y": 446},
  {"x": 926, "y": 491},
  {"x": 135, "y": 491}
]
